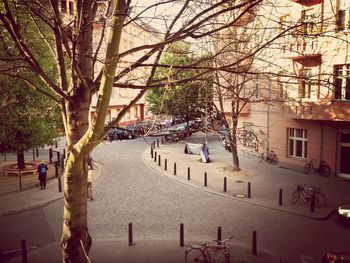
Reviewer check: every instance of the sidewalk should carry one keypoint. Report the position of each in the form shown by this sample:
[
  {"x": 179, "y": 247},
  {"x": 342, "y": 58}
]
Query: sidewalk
[
  {"x": 266, "y": 181},
  {"x": 144, "y": 251}
]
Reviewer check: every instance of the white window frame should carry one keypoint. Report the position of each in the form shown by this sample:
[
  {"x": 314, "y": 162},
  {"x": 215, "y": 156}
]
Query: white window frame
[
  {"x": 342, "y": 74},
  {"x": 292, "y": 135}
]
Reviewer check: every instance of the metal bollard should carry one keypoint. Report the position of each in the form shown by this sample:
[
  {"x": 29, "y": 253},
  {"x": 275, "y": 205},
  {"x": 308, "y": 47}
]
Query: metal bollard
[
  {"x": 37, "y": 152},
  {"x": 159, "y": 161},
  {"x": 249, "y": 190},
  {"x": 130, "y": 235},
  {"x": 254, "y": 245},
  {"x": 56, "y": 169},
  {"x": 174, "y": 168},
  {"x": 59, "y": 184},
  {"x": 205, "y": 179},
  {"x": 165, "y": 164},
  {"x": 280, "y": 198},
  {"x": 225, "y": 184},
  {"x": 155, "y": 156},
  {"x": 312, "y": 203},
  {"x": 158, "y": 143},
  {"x": 50, "y": 155},
  {"x": 33, "y": 154},
  {"x": 219, "y": 235},
  {"x": 188, "y": 173},
  {"x": 58, "y": 156},
  {"x": 151, "y": 152},
  {"x": 24, "y": 251},
  {"x": 20, "y": 179},
  {"x": 182, "y": 234}
]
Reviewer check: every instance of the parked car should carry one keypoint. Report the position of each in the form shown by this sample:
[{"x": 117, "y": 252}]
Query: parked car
[
  {"x": 344, "y": 213},
  {"x": 119, "y": 134},
  {"x": 135, "y": 129},
  {"x": 181, "y": 130}
]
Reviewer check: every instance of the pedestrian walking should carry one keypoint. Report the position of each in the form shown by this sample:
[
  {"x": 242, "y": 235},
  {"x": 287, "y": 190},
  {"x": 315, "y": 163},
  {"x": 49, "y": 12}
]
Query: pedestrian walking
[
  {"x": 89, "y": 183},
  {"x": 42, "y": 170}
]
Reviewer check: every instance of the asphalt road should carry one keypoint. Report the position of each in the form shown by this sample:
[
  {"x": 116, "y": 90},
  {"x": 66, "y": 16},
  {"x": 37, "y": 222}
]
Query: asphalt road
[{"x": 130, "y": 192}]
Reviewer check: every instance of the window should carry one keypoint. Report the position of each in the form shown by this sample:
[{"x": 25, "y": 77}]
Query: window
[
  {"x": 311, "y": 22},
  {"x": 306, "y": 83},
  {"x": 343, "y": 15},
  {"x": 64, "y": 6},
  {"x": 135, "y": 112},
  {"x": 71, "y": 9},
  {"x": 297, "y": 142},
  {"x": 285, "y": 22},
  {"x": 342, "y": 82}
]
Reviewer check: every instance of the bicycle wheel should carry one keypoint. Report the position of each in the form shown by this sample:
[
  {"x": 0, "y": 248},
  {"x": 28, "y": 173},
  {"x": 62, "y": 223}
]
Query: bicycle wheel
[
  {"x": 324, "y": 170},
  {"x": 295, "y": 197},
  {"x": 307, "y": 168},
  {"x": 195, "y": 255},
  {"x": 320, "y": 200}
]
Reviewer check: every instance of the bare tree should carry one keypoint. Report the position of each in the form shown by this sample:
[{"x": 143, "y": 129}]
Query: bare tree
[{"x": 76, "y": 49}]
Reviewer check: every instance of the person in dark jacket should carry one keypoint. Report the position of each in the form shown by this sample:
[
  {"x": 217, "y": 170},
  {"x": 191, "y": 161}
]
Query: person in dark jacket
[{"x": 42, "y": 170}]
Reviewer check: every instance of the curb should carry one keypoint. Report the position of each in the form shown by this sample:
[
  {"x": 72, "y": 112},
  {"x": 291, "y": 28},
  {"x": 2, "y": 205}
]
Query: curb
[
  {"x": 39, "y": 205},
  {"x": 29, "y": 208},
  {"x": 147, "y": 163}
]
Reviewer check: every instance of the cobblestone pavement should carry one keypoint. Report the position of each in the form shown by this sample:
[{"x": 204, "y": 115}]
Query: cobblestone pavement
[{"x": 130, "y": 192}]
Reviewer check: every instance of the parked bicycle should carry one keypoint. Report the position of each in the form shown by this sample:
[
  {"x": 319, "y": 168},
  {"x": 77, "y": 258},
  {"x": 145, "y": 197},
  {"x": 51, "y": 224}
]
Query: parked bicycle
[
  {"x": 323, "y": 169},
  {"x": 305, "y": 193},
  {"x": 209, "y": 252},
  {"x": 270, "y": 157}
]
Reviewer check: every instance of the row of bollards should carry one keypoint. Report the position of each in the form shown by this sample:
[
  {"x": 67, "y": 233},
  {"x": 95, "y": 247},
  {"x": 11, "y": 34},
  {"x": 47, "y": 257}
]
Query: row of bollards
[
  {"x": 182, "y": 238},
  {"x": 249, "y": 190}
]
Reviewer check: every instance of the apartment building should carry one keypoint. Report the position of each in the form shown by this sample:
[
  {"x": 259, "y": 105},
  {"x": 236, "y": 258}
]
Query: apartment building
[
  {"x": 300, "y": 104},
  {"x": 133, "y": 35}
]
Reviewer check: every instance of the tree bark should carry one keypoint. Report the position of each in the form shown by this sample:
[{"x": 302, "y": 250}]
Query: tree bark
[{"x": 20, "y": 160}]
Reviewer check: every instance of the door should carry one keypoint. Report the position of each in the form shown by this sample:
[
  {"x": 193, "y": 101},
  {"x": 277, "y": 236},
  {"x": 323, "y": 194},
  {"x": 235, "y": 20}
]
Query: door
[{"x": 344, "y": 152}]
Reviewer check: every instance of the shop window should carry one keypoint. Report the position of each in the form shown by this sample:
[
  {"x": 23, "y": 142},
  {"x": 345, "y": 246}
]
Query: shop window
[
  {"x": 342, "y": 82},
  {"x": 343, "y": 15},
  {"x": 297, "y": 142}
]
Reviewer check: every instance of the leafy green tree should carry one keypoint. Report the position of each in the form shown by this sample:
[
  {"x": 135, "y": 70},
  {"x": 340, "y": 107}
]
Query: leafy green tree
[
  {"x": 27, "y": 119},
  {"x": 185, "y": 100}
]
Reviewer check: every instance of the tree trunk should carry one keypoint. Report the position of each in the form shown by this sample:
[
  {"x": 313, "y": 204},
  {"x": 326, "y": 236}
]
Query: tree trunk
[
  {"x": 20, "y": 160},
  {"x": 76, "y": 240},
  {"x": 81, "y": 140},
  {"x": 233, "y": 143}
]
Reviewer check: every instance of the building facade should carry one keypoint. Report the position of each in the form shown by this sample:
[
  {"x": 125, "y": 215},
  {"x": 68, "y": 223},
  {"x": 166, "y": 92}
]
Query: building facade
[
  {"x": 133, "y": 35},
  {"x": 304, "y": 109}
]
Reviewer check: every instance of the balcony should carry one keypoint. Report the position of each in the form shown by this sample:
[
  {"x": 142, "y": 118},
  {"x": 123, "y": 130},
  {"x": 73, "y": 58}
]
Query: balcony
[
  {"x": 326, "y": 111},
  {"x": 312, "y": 60},
  {"x": 308, "y": 2}
]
